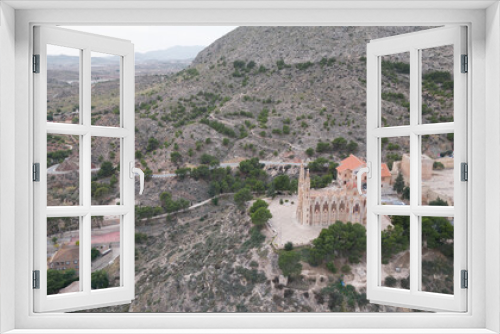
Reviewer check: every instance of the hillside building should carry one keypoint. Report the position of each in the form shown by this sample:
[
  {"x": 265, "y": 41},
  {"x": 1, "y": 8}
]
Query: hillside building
[{"x": 67, "y": 257}]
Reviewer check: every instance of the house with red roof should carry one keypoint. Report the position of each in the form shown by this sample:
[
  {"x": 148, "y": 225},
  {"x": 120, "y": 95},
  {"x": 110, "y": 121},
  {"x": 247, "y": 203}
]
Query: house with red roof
[{"x": 348, "y": 169}]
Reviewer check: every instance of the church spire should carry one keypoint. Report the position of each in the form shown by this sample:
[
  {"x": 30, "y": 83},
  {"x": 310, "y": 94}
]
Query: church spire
[{"x": 301, "y": 175}]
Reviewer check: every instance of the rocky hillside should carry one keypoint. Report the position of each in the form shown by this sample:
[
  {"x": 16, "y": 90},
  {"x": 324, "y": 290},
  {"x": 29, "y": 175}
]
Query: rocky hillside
[{"x": 274, "y": 92}]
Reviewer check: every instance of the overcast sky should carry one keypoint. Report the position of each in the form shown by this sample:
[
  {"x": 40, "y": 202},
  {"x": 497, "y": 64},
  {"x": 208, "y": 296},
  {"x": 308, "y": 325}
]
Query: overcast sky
[{"x": 157, "y": 38}]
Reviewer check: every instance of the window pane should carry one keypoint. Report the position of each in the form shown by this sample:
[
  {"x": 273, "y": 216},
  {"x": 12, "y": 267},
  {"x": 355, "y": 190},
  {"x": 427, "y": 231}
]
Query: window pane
[
  {"x": 63, "y": 84},
  {"x": 395, "y": 240},
  {"x": 105, "y": 89},
  {"x": 105, "y": 171},
  {"x": 105, "y": 252},
  {"x": 437, "y": 169},
  {"x": 63, "y": 255},
  {"x": 437, "y": 254},
  {"x": 395, "y": 89},
  {"x": 395, "y": 170},
  {"x": 63, "y": 170},
  {"x": 437, "y": 84}
]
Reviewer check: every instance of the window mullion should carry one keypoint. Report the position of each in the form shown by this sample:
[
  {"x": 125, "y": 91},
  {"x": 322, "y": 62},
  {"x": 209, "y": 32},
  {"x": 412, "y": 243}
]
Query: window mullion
[
  {"x": 86, "y": 172},
  {"x": 414, "y": 168}
]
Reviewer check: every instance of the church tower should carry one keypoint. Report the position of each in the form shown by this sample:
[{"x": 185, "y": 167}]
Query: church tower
[
  {"x": 300, "y": 194},
  {"x": 306, "y": 199}
]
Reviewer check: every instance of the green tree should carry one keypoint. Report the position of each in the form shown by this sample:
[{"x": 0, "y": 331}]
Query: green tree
[
  {"x": 346, "y": 240},
  {"x": 289, "y": 263},
  {"x": 281, "y": 183},
  {"x": 352, "y": 147},
  {"x": 94, "y": 253},
  {"x": 261, "y": 217},
  {"x": 99, "y": 279},
  {"x": 175, "y": 157},
  {"x": 438, "y": 233},
  {"x": 106, "y": 169},
  {"x": 394, "y": 240},
  {"x": 390, "y": 281},
  {"x": 310, "y": 151},
  {"x": 56, "y": 280},
  {"x": 140, "y": 238},
  {"x": 399, "y": 184},
  {"x": 148, "y": 174},
  {"x": 242, "y": 196},
  {"x": 181, "y": 173},
  {"x": 289, "y": 246},
  {"x": 346, "y": 269},
  {"x": 208, "y": 159},
  {"x": 438, "y": 202},
  {"x": 258, "y": 204},
  {"x": 322, "y": 147},
  {"x": 153, "y": 144},
  {"x": 339, "y": 144},
  {"x": 331, "y": 266},
  {"x": 54, "y": 240},
  {"x": 113, "y": 181},
  {"x": 406, "y": 193}
]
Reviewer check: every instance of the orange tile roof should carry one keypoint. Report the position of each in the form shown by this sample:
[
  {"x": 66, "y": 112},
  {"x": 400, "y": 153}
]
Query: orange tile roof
[
  {"x": 352, "y": 163},
  {"x": 384, "y": 170}
]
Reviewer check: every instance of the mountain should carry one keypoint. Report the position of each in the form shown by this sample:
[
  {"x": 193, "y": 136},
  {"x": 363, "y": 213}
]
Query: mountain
[
  {"x": 177, "y": 52},
  {"x": 273, "y": 92},
  {"x": 173, "y": 54}
]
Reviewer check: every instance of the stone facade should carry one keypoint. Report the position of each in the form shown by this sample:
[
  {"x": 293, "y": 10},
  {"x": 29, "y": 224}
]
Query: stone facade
[
  {"x": 326, "y": 206},
  {"x": 426, "y": 167}
]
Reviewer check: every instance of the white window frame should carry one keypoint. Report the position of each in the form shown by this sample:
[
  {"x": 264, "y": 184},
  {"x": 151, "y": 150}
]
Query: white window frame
[
  {"x": 124, "y": 132},
  {"x": 482, "y": 316},
  {"x": 413, "y": 44}
]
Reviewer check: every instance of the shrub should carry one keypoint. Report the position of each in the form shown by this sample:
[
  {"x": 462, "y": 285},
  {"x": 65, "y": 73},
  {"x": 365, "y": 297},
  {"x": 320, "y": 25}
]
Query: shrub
[
  {"x": 289, "y": 263},
  {"x": 99, "y": 279},
  {"x": 242, "y": 196},
  {"x": 106, "y": 169},
  {"x": 437, "y": 165},
  {"x": 390, "y": 281},
  {"x": 152, "y": 145},
  {"x": 405, "y": 283},
  {"x": 330, "y": 266},
  {"x": 346, "y": 269},
  {"x": 140, "y": 238},
  {"x": 289, "y": 246},
  {"x": 56, "y": 279}
]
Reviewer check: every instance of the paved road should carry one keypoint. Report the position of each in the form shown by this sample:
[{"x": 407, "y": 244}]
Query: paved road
[
  {"x": 164, "y": 215},
  {"x": 53, "y": 170}
]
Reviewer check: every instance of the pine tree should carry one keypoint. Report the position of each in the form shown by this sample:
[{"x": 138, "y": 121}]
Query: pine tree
[{"x": 399, "y": 184}]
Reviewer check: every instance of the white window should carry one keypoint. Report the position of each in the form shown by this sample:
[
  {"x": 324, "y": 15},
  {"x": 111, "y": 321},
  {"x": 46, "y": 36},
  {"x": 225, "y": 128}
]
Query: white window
[
  {"x": 482, "y": 304},
  {"x": 67, "y": 148},
  {"x": 415, "y": 130}
]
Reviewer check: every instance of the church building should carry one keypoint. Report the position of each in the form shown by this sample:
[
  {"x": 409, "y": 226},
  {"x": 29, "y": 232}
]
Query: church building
[{"x": 326, "y": 206}]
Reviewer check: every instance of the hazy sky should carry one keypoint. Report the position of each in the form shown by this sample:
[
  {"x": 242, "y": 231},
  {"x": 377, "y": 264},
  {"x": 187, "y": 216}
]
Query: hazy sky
[{"x": 156, "y": 38}]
